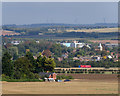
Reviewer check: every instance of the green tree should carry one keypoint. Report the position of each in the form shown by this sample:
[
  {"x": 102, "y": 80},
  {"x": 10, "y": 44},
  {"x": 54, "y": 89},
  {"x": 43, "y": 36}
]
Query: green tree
[
  {"x": 49, "y": 64},
  {"x": 40, "y": 64},
  {"x": 7, "y": 65},
  {"x": 31, "y": 59},
  {"x": 23, "y": 68},
  {"x": 45, "y": 64}
]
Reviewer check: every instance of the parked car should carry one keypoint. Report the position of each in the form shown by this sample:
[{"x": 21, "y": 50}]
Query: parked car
[{"x": 67, "y": 80}]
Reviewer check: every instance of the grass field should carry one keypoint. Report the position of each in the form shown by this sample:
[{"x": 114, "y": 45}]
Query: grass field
[{"x": 77, "y": 86}]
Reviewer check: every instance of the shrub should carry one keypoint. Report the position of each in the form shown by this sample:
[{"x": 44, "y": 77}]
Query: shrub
[
  {"x": 24, "y": 80},
  {"x": 64, "y": 77},
  {"x": 4, "y": 77},
  {"x": 69, "y": 77}
]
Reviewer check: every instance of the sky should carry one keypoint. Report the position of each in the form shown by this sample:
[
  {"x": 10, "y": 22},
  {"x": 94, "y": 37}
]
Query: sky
[{"x": 59, "y": 12}]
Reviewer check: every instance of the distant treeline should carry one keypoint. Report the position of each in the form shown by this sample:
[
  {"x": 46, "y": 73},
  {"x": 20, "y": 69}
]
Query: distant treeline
[
  {"x": 63, "y": 24},
  {"x": 85, "y": 34},
  {"x": 60, "y": 30}
]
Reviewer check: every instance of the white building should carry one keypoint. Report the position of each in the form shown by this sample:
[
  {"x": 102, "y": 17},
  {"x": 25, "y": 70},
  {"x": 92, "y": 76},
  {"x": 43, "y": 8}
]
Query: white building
[
  {"x": 15, "y": 42},
  {"x": 96, "y": 58},
  {"x": 100, "y": 46},
  {"x": 75, "y": 44},
  {"x": 112, "y": 45},
  {"x": 110, "y": 57},
  {"x": 37, "y": 41}
]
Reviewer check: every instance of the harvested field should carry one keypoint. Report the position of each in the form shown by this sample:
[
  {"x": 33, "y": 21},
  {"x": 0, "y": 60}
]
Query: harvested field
[
  {"x": 101, "y": 30},
  {"x": 104, "y": 41},
  {"x": 82, "y": 85},
  {"x": 8, "y": 33}
]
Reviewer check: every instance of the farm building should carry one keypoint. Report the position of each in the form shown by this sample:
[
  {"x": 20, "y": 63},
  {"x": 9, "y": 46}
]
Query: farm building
[{"x": 48, "y": 75}]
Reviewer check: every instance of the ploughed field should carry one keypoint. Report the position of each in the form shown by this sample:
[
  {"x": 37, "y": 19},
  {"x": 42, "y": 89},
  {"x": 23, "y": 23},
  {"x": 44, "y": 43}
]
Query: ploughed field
[
  {"x": 82, "y": 84},
  {"x": 100, "y": 77}
]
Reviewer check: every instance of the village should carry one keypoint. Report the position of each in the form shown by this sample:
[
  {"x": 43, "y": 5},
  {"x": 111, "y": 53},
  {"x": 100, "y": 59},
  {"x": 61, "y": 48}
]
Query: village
[
  {"x": 100, "y": 47},
  {"x": 75, "y": 45}
]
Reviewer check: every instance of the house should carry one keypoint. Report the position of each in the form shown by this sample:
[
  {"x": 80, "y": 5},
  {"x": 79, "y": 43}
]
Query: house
[
  {"x": 115, "y": 60},
  {"x": 74, "y": 50},
  {"x": 88, "y": 46},
  {"x": 112, "y": 53},
  {"x": 86, "y": 58},
  {"x": 109, "y": 56},
  {"x": 48, "y": 76},
  {"x": 37, "y": 41},
  {"x": 112, "y": 45},
  {"x": 60, "y": 58},
  {"x": 65, "y": 55},
  {"x": 100, "y": 47},
  {"x": 108, "y": 51},
  {"x": 46, "y": 53},
  {"x": 75, "y": 58},
  {"x": 96, "y": 58},
  {"x": 15, "y": 42},
  {"x": 117, "y": 56},
  {"x": 35, "y": 57}
]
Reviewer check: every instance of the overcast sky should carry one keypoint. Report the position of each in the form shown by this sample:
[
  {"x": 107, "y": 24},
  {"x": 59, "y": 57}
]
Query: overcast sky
[{"x": 72, "y": 13}]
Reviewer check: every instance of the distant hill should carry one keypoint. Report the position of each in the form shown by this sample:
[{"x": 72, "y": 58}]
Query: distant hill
[
  {"x": 99, "y": 30},
  {"x": 62, "y": 24}
]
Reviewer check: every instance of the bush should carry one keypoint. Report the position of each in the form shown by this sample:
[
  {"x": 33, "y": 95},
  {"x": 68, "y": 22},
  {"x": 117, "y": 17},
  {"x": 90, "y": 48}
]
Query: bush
[
  {"x": 24, "y": 80},
  {"x": 64, "y": 77},
  {"x": 59, "y": 78},
  {"x": 69, "y": 77},
  {"x": 4, "y": 77},
  {"x": 33, "y": 78},
  {"x": 36, "y": 76}
]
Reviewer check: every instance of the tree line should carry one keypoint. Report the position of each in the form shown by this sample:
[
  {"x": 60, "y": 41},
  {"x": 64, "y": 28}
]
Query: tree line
[{"x": 26, "y": 67}]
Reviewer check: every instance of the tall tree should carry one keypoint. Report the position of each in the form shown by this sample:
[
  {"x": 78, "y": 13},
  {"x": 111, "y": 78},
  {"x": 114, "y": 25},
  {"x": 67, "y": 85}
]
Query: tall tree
[
  {"x": 7, "y": 65},
  {"x": 14, "y": 52},
  {"x": 30, "y": 57},
  {"x": 41, "y": 64},
  {"x": 49, "y": 64},
  {"x": 45, "y": 64},
  {"x": 23, "y": 68}
]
